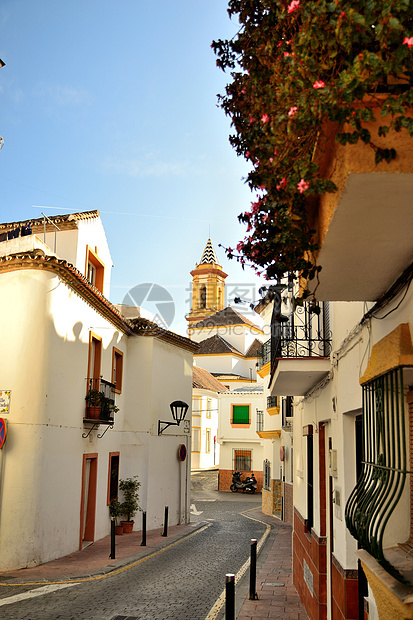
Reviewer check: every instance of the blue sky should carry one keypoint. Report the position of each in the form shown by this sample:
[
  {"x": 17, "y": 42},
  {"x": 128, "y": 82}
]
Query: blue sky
[{"x": 112, "y": 106}]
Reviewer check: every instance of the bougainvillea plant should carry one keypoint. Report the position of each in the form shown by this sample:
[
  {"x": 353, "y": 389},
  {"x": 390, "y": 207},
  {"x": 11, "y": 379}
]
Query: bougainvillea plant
[{"x": 295, "y": 64}]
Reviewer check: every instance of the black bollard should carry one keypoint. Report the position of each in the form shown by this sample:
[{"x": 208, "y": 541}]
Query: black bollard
[
  {"x": 165, "y": 523},
  {"x": 253, "y": 570},
  {"x": 143, "y": 543},
  {"x": 112, "y": 539},
  {"x": 229, "y": 597}
]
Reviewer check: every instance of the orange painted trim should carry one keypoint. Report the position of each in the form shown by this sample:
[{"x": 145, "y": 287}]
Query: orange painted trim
[
  {"x": 98, "y": 354},
  {"x": 273, "y": 411},
  {"x": 111, "y": 454},
  {"x": 93, "y": 456},
  {"x": 265, "y": 370},
  {"x": 92, "y": 257},
  {"x": 269, "y": 434},
  {"x": 232, "y": 415},
  {"x": 117, "y": 352}
]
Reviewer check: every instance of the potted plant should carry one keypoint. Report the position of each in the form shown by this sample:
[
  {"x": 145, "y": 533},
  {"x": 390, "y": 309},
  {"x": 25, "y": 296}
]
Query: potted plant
[
  {"x": 94, "y": 404},
  {"x": 115, "y": 511},
  {"x": 108, "y": 408},
  {"x": 130, "y": 504}
]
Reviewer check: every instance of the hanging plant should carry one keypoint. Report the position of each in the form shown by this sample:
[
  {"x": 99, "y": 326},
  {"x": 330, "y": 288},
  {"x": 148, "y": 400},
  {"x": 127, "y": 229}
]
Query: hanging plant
[{"x": 295, "y": 64}]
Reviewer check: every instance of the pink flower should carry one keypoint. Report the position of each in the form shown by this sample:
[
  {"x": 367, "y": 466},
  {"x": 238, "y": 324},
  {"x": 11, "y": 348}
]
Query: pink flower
[
  {"x": 302, "y": 186},
  {"x": 271, "y": 159},
  {"x": 408, "y": 41},
  {"x": 319, "y": 84},
  {"x": 265, "y": 118},
  {"x": 275, "y": 152},
  {"x": 282, "y": 184},
  {"x": 293, "y": 6},
  {"x": 251, "y": 119},
  {"x": 293, "y": 110},
  {"x": 286, "y": 54},
  {"x": 247, "y": 154},
  {"x": 342, "y": 14}
]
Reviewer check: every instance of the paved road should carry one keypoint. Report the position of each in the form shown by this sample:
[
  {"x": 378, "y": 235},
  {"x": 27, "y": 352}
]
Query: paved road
[{"x": 181, "y": 583}]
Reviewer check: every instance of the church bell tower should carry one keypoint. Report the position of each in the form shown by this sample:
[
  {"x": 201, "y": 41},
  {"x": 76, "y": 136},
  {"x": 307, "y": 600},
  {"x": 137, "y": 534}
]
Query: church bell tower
[{"x": 208, "y": 287}]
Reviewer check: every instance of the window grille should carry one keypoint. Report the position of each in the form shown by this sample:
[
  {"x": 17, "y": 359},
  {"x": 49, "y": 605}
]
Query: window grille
[
  {"x": 260, "y": 420},
  {"x": 384, "y": 464},
  {"x": 267, "y": 475},
  {"x": 242, "y": 460}
]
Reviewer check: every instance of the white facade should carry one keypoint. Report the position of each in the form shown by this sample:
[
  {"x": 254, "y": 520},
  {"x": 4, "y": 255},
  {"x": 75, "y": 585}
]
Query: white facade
[
  {"x": 55, "y": 466},
  {"x": 205, "y": 446}
]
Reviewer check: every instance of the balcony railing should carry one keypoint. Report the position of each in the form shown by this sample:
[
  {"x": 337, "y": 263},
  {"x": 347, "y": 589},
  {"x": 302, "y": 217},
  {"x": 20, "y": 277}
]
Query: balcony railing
[
  {"x": 264, "y": 355},
  {"x": 260, "y": 421},
  {"x": 306, "y": 334},
  {"x": 100, "y": 401},
  {"x": 272, "y": 401}
]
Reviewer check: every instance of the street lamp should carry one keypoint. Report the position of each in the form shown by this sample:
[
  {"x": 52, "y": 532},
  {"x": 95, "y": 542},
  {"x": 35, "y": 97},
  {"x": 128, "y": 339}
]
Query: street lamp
[{"x": 178, "y": 410}]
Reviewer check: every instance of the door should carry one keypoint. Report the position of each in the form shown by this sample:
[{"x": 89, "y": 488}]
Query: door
[{"x": 88, "y": 502}]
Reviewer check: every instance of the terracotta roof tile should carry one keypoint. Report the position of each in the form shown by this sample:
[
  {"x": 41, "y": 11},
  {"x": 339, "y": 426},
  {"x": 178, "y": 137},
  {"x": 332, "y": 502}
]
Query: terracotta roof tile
[
  {"x": 202, "y": 379},
  {"x": 216, "y": 345},
  {"x": 254, "y": 349},
  {"x": 227, "y": 316}
]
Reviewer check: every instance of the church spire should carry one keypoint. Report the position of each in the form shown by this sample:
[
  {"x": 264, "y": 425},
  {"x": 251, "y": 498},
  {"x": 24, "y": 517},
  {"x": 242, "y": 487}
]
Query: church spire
[
  {"x": 209, "y": 257},
  {"x": 208, "y": 286}
]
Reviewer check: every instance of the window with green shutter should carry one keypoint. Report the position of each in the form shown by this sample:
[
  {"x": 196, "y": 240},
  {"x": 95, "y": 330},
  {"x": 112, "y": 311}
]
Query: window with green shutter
[{"x": 240, "y": 414}]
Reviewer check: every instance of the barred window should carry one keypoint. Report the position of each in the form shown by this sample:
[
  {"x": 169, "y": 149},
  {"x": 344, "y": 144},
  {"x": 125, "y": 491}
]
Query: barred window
[{"x": 242, "y": 460}]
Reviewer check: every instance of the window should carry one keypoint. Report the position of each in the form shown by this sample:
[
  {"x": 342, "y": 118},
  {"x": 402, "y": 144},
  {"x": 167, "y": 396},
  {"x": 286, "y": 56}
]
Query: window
[
  {"x": 95, "y": 268},
  {"x": 95, "y": 354},
  {"x": 241, "y": 414},
  {"x": 202, "y": 297},
  {"x": 196, "y": 405},
  {"x": 117, "y": 369},
  {"x": 208, "y": 440},
  {"x": 260, "y": 421},
  {"x": 196, "y": 437},
  {"x": 209, "y": 408},
  {"x": 113, "y": 481},
  {"x": 242, "y": 460},
  {"x": 267, "y": 475}
]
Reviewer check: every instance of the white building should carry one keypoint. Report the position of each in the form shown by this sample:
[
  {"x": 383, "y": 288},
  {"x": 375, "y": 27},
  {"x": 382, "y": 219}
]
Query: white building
[
  {"x": 205, "y": 416},
  {"x": 59, "y": 468}
]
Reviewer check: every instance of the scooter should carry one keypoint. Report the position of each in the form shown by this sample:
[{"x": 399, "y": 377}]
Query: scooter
[{"x": 249, "y": 484}]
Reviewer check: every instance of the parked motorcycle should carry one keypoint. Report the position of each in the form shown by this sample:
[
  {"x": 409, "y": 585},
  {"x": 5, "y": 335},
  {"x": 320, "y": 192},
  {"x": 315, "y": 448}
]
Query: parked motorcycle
[{"x": 248, "y": 485}]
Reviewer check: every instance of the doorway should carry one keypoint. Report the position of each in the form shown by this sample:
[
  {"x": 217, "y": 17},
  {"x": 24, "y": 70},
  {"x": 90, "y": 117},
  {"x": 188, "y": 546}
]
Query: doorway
[{"x": 88, "y": 501}]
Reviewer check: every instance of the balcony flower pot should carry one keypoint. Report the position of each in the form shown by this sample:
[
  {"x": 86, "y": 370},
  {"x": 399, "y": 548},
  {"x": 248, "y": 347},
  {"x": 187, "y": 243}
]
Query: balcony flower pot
[
  {"x": 93, "y": 412},
  {"x": 119, "y": 530}
]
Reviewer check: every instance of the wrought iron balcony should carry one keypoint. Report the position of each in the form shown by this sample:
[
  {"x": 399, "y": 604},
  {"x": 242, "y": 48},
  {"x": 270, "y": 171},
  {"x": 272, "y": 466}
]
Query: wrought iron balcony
[
  {"x": 264, "y": 355},
  {"x": 306, "y": 334},
  {"x": 300, "y": 350},
  {"x": 100, "y": 404},
  {"x": 272, "y": 401}
]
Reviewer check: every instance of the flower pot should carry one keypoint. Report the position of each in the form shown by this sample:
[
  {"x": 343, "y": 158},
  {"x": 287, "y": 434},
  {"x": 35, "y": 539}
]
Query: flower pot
[
  {"x": 118, "y": 530},
  {"x": 127, "y": 526},
  {"x": 93, "y": 412}
]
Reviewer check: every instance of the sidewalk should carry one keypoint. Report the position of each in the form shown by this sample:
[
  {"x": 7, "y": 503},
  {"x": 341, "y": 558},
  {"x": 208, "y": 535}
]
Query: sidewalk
[
  {"x": 277, "y": 596},
  {"x": 94, "y": 561}
]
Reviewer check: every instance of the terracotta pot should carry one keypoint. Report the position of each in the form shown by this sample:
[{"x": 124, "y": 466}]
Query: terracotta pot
[
  {"x": 127, "y": 526},
  {"x": 118, "y": 530},
  {"x": 93, "y": 412}
]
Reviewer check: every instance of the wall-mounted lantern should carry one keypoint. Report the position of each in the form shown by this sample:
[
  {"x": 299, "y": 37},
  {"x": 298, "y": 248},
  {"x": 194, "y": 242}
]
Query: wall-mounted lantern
[{"x": 178, "y": 410}]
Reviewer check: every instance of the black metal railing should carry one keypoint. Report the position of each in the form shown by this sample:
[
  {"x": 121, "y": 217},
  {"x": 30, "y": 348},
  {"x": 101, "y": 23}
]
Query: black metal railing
[
  {"x": 305, "y": 334},
  {"x": 272, "y": 401},
  {"x": 384, "y": 464},
  {"x": 264, "y": 354},
  {"x": 100, "y": 400},
  {"x": 260, "y": 420}
]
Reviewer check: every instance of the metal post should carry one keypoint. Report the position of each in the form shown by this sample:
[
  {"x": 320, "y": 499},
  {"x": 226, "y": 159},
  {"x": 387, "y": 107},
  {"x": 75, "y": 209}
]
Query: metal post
[
  {"x": 230, "y": 597},
  {"x": 253, "y": 570},
  {"x": 143, "y": 543},
  {"x": 112, "y": 539},
  {"x": 165, "y": 523}
]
